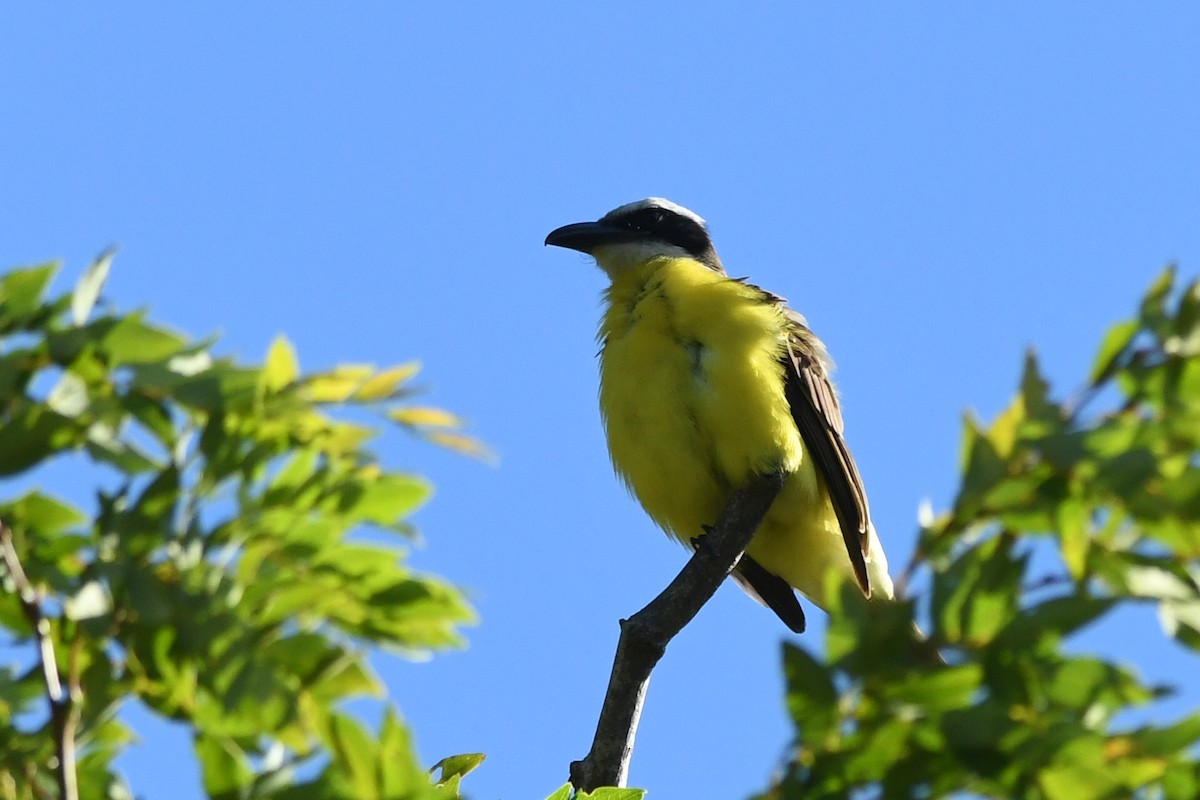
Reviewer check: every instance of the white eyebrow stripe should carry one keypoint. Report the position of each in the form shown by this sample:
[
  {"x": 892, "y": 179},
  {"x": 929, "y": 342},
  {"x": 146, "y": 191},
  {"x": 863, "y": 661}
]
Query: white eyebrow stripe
[{"x": 656, "y": 202}]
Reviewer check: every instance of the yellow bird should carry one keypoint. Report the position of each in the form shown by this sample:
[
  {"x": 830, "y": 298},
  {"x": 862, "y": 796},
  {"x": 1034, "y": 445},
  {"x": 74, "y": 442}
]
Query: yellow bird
[{"x": 706, "y": 380}]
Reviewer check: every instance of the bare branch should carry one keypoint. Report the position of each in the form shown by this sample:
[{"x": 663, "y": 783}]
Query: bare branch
[
  {"x": 645, "y": 635},
  {"x": 64, "y": 712}
]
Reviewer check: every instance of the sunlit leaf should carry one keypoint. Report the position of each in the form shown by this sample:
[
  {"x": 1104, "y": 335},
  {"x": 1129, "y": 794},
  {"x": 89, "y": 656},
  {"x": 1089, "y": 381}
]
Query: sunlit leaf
[
  {"x": 611, "y": 793},
  {"x": 387, "y": 382},
  {"x": 460, "y": 442},
  {"x": 982, "y": 466},
  {"x": 354, "y": 753},
  {"x": 457, "y": 765},
  {"x": 217, "y": 583},
  {"x": 1074, "y": 533},
  {"x": 385, "y": 500},
  {"x": 91, "y": 600},
  {"x": 87, "y": 290},
  {"x": 69, "y": 396},
  {"x": 337, "y": 385},
  {"x": 424, "y": 416},
  {"x": 281, "y": 367},
  {"x": 1080, "y": 769},
  {"x": 400, "y": 773}
]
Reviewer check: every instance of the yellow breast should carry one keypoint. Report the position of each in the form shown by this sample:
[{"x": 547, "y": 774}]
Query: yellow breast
[
  {"x": 692, "y": 390},
  {"x": 692, "y": 395}
]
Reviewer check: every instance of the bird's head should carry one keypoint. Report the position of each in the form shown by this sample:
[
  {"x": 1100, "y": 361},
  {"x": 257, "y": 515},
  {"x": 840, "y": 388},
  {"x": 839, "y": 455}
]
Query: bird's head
[{"x": 629, "y": 236}]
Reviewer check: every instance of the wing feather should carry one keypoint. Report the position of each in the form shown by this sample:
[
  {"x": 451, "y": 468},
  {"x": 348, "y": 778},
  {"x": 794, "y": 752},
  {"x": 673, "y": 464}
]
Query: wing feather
[{"x": 815, "y": 410}]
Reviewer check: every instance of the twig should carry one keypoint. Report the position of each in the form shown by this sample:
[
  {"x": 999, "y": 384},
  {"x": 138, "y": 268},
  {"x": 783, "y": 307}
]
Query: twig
[
  {"x": 645, "y": 635},
  {"x": 64, "y": 714}
]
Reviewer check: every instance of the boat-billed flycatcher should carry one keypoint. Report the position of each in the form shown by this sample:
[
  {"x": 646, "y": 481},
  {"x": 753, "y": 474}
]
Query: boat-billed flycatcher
[{"x": 706, "y": 380}]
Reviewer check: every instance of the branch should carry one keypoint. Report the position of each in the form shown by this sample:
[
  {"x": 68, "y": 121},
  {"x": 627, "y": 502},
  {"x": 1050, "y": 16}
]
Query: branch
[
  {"x": 64, "y": 710},
  {"x": 645, "y": 635}
]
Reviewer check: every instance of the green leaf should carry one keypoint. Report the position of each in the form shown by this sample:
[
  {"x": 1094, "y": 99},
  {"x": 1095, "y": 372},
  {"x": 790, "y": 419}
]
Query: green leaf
[
  {"x": 338, "y": 384},
  {"x": 943, "y": 689},
  {"x": 40, "y": 515},
  {"x": 21, "y": 293},
  {"x": 282, "y": 366},
  {"x": 1153, "y": 313},
  {"x": 224, "y": 766},
  {"x": 386, "y": 383},
  {"x": 983, "y": 467},
  {"x": 1113, "y": 349},
  {"x": 87, "y": 290},
  {"x": 103, "y": 444},
  {"x": 1035, "y": 391},
  {"x": 353, "y": 753},
  {"x": 1053, "y": 619},
  {"x": 1186, "y": 339},
  {"x": 1182, "y": 781},
  {"x": 157, "y": 503},
  {"x": 1074, "y": 532},
  {"x": 1080, "y": 769},
  {"x": 424, "y": 416},
  {"x": 563, "y": 792},
  {"x": 347, "y": 677},
  {"x": 132, "y": 341},
  {"x": 975, "y": 735},
  {"x": 811, "y": 696},
  {"x": 976, "y": 596},
  {"x": 461, "y": 443},
  {"x": 612, "y": 793},
  {"x": 32, "y": 434},
  {"x": 1094, "y": 690},
  {"x": 384, "y": 500},
  {"x": 457, "y": 766},
  {"x": 1171, "y": 740},
  {"x": 400, "y": 773}
]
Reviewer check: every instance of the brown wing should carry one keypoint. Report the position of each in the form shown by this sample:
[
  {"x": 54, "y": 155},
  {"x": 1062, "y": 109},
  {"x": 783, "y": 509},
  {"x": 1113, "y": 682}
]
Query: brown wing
[
  {"x": 773, "y": 591},
  {"x": 768, "y": 588},
  {"x": 815, "y": 411}
]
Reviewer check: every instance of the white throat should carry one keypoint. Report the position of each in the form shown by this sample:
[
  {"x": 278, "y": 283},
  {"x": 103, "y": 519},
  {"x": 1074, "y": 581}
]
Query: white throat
[{"x": 617, "y": 259}]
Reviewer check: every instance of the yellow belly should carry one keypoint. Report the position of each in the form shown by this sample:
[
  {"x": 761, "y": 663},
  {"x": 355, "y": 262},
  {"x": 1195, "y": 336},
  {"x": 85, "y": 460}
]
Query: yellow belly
[{"x": 693, "y": 401}]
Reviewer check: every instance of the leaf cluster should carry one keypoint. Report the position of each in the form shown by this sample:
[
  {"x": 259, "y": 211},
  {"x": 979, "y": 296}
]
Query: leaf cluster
[
  {"x": 1068, "y": 512},
  {"x": 221, "y": 576}
]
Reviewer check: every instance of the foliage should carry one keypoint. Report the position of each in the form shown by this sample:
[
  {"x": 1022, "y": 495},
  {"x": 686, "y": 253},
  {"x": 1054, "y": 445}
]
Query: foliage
[
  {"x": 1106, "y": 505},
  {"x": 216, "y": 577},
  {"x": 566, "y": 792}
]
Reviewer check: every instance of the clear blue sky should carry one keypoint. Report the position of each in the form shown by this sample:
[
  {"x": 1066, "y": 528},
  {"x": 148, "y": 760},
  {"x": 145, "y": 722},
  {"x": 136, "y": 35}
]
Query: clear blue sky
[{"x": 937, "y": 186}]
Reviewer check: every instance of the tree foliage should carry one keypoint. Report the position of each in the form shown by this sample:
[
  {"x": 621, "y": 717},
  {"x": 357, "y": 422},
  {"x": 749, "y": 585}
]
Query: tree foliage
[
  {"x": 1068, "y": 512},
  {"x": 216, "y": 575}
]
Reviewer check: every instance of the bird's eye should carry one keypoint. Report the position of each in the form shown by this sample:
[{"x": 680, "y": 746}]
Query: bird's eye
[{"x": 647, "y": 220}]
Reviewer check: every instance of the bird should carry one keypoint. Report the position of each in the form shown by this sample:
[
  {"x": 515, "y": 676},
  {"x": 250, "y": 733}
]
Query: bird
[{"x": 707, "y": 380}]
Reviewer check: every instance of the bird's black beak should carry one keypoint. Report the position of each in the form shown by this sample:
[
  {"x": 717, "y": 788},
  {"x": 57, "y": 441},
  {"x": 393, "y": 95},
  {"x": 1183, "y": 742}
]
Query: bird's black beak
[{"x": 587, "y": 236}]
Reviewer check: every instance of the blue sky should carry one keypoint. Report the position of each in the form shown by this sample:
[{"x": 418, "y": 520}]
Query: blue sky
[{"x": 936, "y": 186}]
